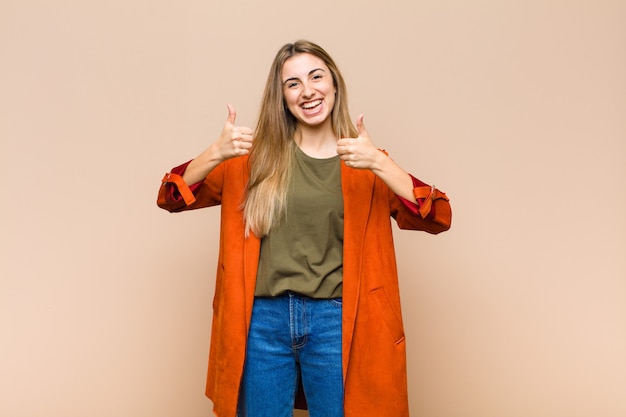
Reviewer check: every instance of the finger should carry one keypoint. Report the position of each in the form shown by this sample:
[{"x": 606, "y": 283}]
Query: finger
[
  {"x": 341, "y": 143},
  {"x": 242, "y": 133},
  {"x": 244, "y": 130},
  {"x": 243, "y": 139},
  {"x": 346, "y": 145},
  {"x": 360, "y": 126},
  {"x": 240, "y": 147},
  {"x": 232, "y": 114}
]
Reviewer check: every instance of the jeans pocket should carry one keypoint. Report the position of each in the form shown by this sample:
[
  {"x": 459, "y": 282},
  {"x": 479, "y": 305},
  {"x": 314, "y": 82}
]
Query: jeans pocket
[{"x": 337, "y": 302}]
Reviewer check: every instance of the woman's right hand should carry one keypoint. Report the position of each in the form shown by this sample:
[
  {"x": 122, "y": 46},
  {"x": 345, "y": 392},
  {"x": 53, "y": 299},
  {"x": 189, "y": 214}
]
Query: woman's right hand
[{"x": 233, "y": 141}]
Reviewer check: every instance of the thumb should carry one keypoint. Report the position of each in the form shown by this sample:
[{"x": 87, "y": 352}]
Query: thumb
[
  {"x": 360, "y": 127},
  {"x": 232, "y": 114}
]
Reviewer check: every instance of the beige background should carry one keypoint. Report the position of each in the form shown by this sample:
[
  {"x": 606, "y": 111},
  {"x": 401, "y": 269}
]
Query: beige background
[{"x": 515, "y": 109}]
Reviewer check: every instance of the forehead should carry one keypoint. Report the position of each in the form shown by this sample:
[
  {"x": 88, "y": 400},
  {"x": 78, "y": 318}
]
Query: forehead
[{"x": 299, "y": 66}]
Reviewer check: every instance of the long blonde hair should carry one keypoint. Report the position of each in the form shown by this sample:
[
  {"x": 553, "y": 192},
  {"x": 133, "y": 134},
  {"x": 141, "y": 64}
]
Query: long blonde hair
[{"x": 274, "y": 145}]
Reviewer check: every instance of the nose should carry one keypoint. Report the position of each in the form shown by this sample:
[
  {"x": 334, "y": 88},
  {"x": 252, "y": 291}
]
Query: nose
[{"x": 307, "y": 90}]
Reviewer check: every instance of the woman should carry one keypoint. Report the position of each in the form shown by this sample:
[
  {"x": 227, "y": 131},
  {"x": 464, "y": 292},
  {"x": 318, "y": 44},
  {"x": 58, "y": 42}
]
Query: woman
[{"x": 306, "y": 289}]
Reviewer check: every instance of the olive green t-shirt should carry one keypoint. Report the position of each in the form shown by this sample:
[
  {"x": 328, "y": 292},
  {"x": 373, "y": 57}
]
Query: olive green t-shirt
[{"x": 304, "y": 252}]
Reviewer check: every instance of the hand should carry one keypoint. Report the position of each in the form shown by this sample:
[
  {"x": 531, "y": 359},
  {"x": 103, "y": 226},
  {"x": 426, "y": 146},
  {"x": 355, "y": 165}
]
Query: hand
[
  {"x": 234, "y": 140},
  {"x": 358, "y": 152}
]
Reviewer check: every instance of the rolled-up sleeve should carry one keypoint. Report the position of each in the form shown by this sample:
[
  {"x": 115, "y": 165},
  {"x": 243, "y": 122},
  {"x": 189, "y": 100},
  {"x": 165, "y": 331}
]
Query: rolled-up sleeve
[{"x": 430, "y": 204}]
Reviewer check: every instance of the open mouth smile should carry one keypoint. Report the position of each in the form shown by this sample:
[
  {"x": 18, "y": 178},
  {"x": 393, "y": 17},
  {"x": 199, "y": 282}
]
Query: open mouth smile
[{"x": 311, "y": 104}]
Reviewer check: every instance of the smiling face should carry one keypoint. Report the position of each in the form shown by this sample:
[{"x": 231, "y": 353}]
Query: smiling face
[{"x": 309, "y": 89}]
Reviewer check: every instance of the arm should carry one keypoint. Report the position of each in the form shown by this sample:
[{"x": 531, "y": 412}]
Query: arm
[
  {"x": 183, "y": 184},
  {"x": 396, "y": 178},
  {"x": 428, "y": 206}
]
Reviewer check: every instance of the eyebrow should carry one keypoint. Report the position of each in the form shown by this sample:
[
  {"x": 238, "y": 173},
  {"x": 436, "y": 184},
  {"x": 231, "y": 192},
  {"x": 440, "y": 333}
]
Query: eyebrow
[{"x": 310, "y": 72}]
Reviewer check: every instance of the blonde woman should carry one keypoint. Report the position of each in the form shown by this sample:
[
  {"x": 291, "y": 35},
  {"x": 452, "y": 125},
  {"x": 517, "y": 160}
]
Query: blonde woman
[{"x": 307, "y": 307}]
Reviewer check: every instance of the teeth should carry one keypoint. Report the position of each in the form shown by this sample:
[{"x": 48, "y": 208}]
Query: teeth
[{"x": 311, "y": 104}]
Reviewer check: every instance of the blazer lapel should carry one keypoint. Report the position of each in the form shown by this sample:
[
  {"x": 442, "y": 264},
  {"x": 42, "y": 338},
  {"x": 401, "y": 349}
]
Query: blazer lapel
[
  {"x": 251, "y": 250},
  {"x": 358, "y": 189}
]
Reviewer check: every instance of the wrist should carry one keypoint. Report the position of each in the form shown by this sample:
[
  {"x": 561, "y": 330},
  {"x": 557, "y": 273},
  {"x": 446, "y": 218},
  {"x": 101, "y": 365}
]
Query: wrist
[
  {"x": 212, "y": 155},
  {"x": 381, "y": 161}
]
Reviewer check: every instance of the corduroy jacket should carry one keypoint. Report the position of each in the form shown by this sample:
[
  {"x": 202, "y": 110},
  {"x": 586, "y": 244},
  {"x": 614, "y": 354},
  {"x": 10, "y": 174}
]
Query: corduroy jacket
[{"x": 374, "y": 352}]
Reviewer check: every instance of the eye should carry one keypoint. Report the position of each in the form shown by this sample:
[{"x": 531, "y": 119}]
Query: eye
[
  {"x": 292, "y": 84},
  {"x": 317, "y": 77}
]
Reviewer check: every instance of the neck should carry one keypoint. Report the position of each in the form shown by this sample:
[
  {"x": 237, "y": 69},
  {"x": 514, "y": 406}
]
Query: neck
[{"x": 317, "y": 141}]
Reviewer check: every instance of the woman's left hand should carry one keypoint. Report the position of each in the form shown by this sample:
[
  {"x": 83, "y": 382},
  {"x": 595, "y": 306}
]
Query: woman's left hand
[{"x": 359, "y": 152}]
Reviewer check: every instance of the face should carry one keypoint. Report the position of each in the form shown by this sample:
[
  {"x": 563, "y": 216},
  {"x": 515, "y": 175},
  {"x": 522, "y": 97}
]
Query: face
[{"x": 308, "y": 89}]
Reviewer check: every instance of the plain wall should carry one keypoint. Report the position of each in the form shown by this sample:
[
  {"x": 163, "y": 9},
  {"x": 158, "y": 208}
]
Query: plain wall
[{"x": 517, "y": 109}]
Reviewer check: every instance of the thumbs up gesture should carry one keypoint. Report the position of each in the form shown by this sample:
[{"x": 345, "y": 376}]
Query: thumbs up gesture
[
  {"x": 234, "y": 140},
  {"x": 358, "y": 152}
]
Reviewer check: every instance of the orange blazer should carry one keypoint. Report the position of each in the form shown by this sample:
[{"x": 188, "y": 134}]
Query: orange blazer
[{"x": 374, "y": 351}]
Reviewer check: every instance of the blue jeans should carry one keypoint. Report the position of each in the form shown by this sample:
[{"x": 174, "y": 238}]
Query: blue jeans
[{"x": 292, "y": 337}]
